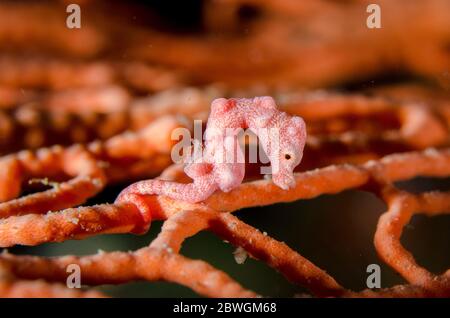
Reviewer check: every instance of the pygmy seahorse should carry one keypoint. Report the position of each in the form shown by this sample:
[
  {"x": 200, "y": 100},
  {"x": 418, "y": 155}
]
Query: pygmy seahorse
[{"x": 281, "y": 136}]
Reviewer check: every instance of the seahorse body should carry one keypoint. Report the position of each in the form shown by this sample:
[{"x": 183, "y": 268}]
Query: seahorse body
[{"x": 216, "y": 170}]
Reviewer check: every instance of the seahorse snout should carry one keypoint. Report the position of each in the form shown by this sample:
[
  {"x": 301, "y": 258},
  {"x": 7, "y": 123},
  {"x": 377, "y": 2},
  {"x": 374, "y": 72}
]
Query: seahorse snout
[{"x": 285, "y": 181}]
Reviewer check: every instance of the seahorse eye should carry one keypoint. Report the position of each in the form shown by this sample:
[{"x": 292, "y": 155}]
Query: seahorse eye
[{"x": 287, "y": 156}]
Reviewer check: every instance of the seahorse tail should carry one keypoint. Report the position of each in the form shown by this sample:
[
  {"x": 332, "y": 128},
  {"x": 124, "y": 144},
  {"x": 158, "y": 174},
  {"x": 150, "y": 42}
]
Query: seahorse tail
[{"x": 194, "y": 192}]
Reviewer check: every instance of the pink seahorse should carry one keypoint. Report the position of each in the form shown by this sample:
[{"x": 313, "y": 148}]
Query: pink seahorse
[{"x": 282, "y": 138}]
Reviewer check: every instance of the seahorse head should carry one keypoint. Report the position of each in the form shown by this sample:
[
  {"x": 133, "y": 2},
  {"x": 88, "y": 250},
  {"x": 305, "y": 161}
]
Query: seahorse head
[{"x": 286, "y": 149}]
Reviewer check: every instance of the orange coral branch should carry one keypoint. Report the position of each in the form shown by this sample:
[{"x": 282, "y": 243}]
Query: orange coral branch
[{"x": 161, "y": 259}]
